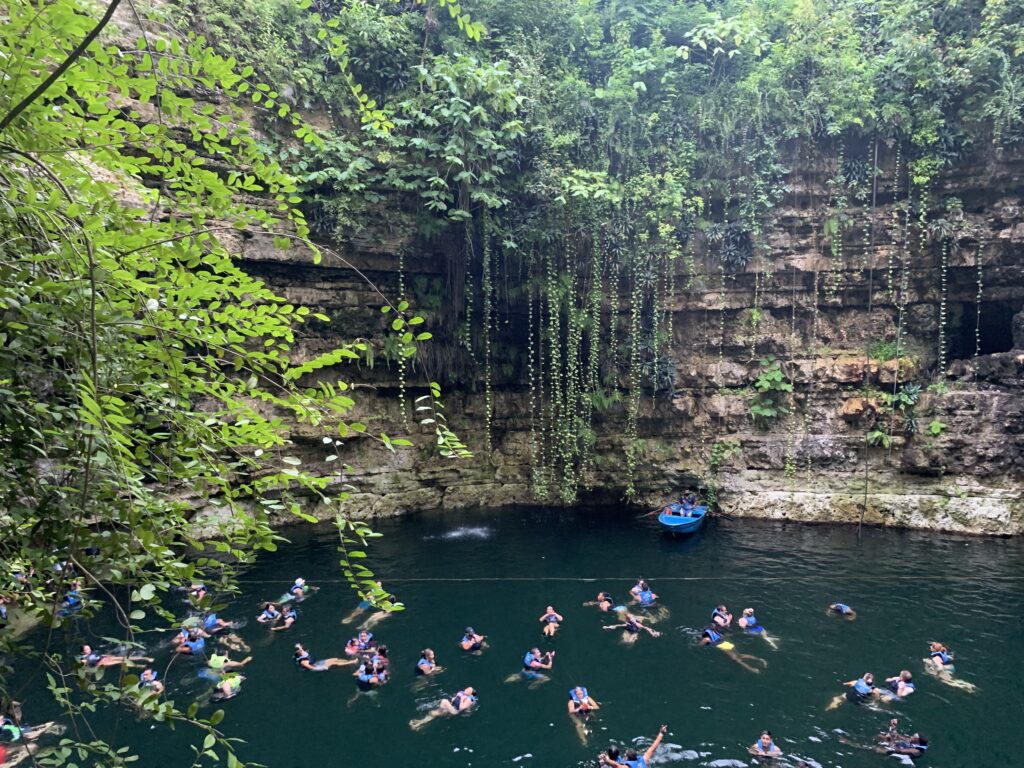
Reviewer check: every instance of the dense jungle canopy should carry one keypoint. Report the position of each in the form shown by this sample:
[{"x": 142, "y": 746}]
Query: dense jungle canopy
[{"x": 563, "y": 153}]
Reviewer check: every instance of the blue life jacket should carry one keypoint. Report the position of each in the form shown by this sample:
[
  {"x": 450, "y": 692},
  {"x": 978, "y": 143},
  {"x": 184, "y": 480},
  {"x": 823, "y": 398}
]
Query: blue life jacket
[
  {"x": 363, "y": 645},
  {"x": 713, "y": 636},
  {"x": 3, "y": 612},
  {"x": 941, "y": 656},
  {"x": 862, "y": 687},
  {"x": 457, "y": 699},
  {"x": 577, "y": 699},
  {"x": 290, "y": 614},
  {"x": 147, "y": 683},
  {"x": 470, "y": 639},
  {"x": 647, "y": 597},
  {"x": 301, "y": 657},
  {"x": 423, "y": 665},
  {"x": 72, "y": 600},
  {"x": 640, "y": 762},
  {"x": 528, "y": 660},
  {"x": 269, "y": 614},
  {"x": 551, "y": 618},
  {"x": 196, "y": 645},
  {"x": 842, "y": 608},
  {"x": 296, "y": 588},
  {"x": 719, "y": 614},
  {"x": 93, "y": 659},
  {"x": 210, "y": 621}
]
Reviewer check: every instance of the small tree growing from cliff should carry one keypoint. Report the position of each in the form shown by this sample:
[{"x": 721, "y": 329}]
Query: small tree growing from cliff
[{"x": 773, "y": 388}]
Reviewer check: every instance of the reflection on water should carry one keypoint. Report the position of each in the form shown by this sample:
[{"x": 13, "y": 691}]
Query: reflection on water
[{"x": 498, "y": 570}]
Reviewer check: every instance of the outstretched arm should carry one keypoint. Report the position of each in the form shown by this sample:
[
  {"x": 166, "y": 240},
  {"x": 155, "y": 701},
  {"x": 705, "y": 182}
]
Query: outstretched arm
[{"x": 649, "y": 754}]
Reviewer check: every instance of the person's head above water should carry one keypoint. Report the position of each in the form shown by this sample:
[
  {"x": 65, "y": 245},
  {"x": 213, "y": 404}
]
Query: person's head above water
[
  {"x": 748, "y": 611},
  {"x": 613, "y": 752},
  {"x": 631, "y": 754},
  {"x": 936, "y": 646},
  {"x": 766, "y": 738},
  {"x": 470, "y": 632},
  {"x": 868, "y": 678},
  {"x": 905, "y": 676}
]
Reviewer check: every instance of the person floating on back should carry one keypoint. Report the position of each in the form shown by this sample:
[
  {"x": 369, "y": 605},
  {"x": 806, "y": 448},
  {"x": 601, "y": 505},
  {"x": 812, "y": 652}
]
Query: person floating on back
[
  {"x": 550, "y": 620},
  {"x": 457, "y": 704},
  {"x": 841, "y": 609},
  {"x": 631, "y": 759}
]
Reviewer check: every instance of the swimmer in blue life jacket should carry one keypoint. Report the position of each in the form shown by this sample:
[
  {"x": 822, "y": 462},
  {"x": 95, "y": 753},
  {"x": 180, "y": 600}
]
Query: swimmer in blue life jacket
[
  {"x": 457, "y": 704},
  {"x": 713, "y": 636},
  {"x": 631, "y": 626},
  {"x": 194, "y": 643},
  {"x": 631, "y": 759},
  {"x": 550, "y": 620},
  {"x": 472, "y": 641},
  {"x": 270, "y": 614},
  {"x": 535, "y": 664},
  {"x": 939, "y": 664},
  {"x": 91, "y": 658},
  {"x": 305, "y": 660},
  {"x": 902, "y": 684},
  {"x": 893, "y": 743},
  {"x": 606, "y": 603},
  {"x": 721, "y": 618},
  {"x": 149, "y": 684},
  {"x": 288, "y": 617},
  {"x": 841, "y": 609},
  {"x": 361, "y": 644},
  {"x": 765, "y": 746},
  {"x": 645, "y": 596},
  {"x": 581, "y": 704},
  {"x": 860, "y": 690},
  {"x": 748, "y": 623},
  {"x": 427, "y": 664}
]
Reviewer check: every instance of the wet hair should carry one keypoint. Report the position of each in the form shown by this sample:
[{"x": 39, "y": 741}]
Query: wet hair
[
  {"x": 644, "y": 585},
  {"x": 424, "y": 653},
  {"x": 382, "y": 650},
  {"x": 613, "y": 752},
  {"x": 921, "y": 739},
  {"x": 905, "y": 675},
  {"x": 469, "y": 631},
  {"x": 631, "y": 754},
  {"x": 869, "y": 677}
]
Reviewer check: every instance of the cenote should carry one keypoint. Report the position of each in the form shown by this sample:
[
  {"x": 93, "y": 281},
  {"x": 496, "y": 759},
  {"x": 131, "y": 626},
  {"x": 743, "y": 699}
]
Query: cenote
[{"x": 497, "y": 570}]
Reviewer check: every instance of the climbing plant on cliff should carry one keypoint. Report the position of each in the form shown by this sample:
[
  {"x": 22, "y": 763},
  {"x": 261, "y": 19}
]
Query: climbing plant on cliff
[{"x": 148, "y": 384}]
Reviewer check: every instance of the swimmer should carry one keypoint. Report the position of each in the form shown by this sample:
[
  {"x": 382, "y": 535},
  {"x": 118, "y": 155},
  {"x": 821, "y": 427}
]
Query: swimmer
[
  {"x": 631, "y": 759},
  {"x": 299, "y": 589},
  {"x": 765, "y": 746},
  {"x": 149, "y": 684},
  {"x": 893, "y": 743},
  {"x": 305, "y": 660},
  {"x": 631, "y": 626},
  {"x": 712, "y": 636},
  {"x": 861, "y": 689},
  {"x": 939, "y": 664},
  {"x": 230, "y": 686},
  {"x": 458, "y": 703},
  {"x": 534, "y": 662},
  {"x": 581, "y": 704},
  {"x": 91, "y": 658},
  {"x": 193, "y": 644},
  {"x": 605, "y": 602},
  {"x": 637, "y": 588},
  {"x": 219, "y": 663},
  {"x": 213, "y": 624},
  {"x": 360, "y": 644},
  {"x": 841, "y": 609},
  {"x": 269, "y": 615},
  {"x": 382, "y": 612},
  {"x": 288, "y": 617},
  {"x": 471, "y": 641},
  {"x": 365, "y": 602},
  {"x": 748, "y": 623},
  {"x": 371, "y": 673},
  {"x": 550, "y": 620},
  {"x": 427, "y": 665},
  {"x": 721, "y": 618},
  {"x": 72, "y": 601},
  {"x": 645, "y": 596},
  {"x": 197, "y": 592},
  {"x": 902, "y": 684},
  {"x": 189, "y": 626}
]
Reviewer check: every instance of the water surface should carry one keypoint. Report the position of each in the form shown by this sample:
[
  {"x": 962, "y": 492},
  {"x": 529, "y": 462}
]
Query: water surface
[{"x": 497, "y": 570}]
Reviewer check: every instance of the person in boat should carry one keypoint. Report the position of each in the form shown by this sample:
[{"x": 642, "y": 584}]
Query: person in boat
[
  {"x": 859, "y": 691},
  {"x": 361, "y": 644},
  {"x": 457, "y": 704},
  {"x": 550, "y": 620},
  {"x": 631, "y": 627},
  {"x": 305, "y": 660},
  {"x": 645, "y": 596},
  {"x": 472, "y": 641},
  {"x": 721, "y": 618},
  {"x": 149, "y": 682},
  {"x": 581, "y": 702},
  {"x": 288, "y": 617},
  {"x": 270, "y": 614},
  {"x": 536, "y": 663},
  {"x": 91, "y": 658},
  {"x": 902, "y": 684},
  {"x": 842, "y": 609},
  {"x": 427, "y": 665},
  {"x": 365, "y": 603},
  {"x": 633, "y": 760},
  {"x": 194, "y": 643},
  {"x": 748, "y": 623},
  {"x": 713, "y": 636},
  {"x": 765, "y": 746}
]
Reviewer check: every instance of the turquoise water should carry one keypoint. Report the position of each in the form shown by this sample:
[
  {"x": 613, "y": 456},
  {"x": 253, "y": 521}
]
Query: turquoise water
[{"x": 497, "y": 570}]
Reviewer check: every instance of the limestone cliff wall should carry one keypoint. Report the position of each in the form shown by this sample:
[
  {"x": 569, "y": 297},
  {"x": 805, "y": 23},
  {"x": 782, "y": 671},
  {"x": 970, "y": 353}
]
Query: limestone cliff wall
[{"x": 816, "y": 313}]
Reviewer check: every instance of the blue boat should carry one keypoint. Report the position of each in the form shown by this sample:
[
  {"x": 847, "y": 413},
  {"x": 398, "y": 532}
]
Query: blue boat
[{"x": 678, "y": 518}]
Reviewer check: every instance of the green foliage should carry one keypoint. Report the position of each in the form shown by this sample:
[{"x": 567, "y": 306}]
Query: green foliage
[
  {"x": 144, "y": 376},
  {"x": 882, "y": 350},
  {"x": 936, "y": 427},
  {"x": 772, "y": 387},
  {"x": 879, "y": 437}
]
